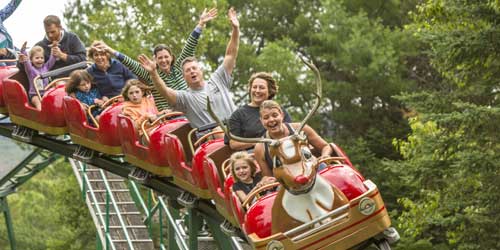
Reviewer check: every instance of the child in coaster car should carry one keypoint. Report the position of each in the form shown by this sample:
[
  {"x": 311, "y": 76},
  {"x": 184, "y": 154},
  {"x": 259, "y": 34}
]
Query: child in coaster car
[
  {"x": 35, "y": 65},
  {"x": 246, "y": 178},
  {"x": 81, "y": 86},
  {"x": 139, "y": 105}
]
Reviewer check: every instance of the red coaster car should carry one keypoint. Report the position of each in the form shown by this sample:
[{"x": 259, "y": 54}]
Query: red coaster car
[
  {"x": 50, "y": 119},
  {"x": 5, "y": 72},
  {"x": 190, "y": 176},
  {"x": 219, "y": 183},
  {"x": 151, "y": 157},
  {"x": 362, "y": 217},
  {"x": 102, "y": 136}
]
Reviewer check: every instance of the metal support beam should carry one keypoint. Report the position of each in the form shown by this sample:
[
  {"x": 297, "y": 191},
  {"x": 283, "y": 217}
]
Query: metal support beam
[
  {"x": 195, "y": 221},
  {"x": 8, "y": 222},
  {"x": 223, "y": 241}
]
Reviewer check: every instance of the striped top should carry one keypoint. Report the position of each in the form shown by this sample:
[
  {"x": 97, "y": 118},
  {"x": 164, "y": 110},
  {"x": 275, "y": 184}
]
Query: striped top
[{"x": 174, "y": 80}]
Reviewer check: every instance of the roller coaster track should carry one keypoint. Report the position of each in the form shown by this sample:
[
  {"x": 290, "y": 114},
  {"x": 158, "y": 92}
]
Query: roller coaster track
[{"x": 168, "y": 192}]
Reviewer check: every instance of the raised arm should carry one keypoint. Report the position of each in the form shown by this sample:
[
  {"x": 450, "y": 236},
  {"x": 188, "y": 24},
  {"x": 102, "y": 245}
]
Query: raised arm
[
  {"x": 317, "y": 142},
  {"x": 259, "y": 156},
  {"x": 150, "y": 66},
  {"x": 232, "y": 46},
  {"x": 9, "y": 9},
  {"x": 192, "y": 41}
]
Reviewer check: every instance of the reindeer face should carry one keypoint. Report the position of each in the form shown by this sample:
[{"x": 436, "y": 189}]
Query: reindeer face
[{"x": 294, "y": 165}]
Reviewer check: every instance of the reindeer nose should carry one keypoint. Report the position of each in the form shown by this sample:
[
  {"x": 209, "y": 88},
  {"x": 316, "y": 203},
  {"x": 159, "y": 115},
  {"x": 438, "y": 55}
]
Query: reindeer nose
[{"x": 301, "y": 179}]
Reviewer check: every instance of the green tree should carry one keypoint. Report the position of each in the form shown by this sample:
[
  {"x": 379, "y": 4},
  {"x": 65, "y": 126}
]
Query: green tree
[
  {"x": 49, "y": 213},
  {"x": 450, "y": 168}
]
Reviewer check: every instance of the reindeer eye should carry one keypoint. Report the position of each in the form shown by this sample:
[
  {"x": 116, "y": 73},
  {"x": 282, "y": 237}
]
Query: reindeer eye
[
  {"x": 306, "y": 153},
  {"x": 277, "y": 162}
]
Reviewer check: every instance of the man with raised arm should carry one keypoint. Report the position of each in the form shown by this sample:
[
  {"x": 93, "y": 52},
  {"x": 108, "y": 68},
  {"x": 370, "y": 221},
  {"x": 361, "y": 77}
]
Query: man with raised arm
[
  {"x": 193, "y": 101},
  {"x": 168, "y": 67},
  {"x": 64, "y": 45}
]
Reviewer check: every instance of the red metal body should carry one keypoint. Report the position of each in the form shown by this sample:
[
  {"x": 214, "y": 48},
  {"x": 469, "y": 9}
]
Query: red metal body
[
  {"x": 50, "y": 119},
  {"x": 258, "y": 217},
  {"x": 219, "y": 189},
  {"x": 152, "y": 157},
  {"x": 190, "y": 175},
  {"x": 5, "y": 72},
  {"x": 105, "y": 138}
]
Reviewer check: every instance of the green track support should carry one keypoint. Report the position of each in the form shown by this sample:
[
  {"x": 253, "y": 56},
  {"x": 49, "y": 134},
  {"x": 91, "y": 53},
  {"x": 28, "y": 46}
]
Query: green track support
[
  {"x": 172, "y": 244},
  {"x": 195, "y": 221},
  {"x": 8, "y": 221},
  {"x": 223, "y": 241}
]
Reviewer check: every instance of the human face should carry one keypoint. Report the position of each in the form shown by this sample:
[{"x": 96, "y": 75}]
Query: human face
[
  {"x": 101, "y": 60},
  {"x": 37, "y": 59},
  {"x": 272, "y": 120},
  {"x": 164, "y": 60},
  {"x": 84, "y": 86},
  {"x": 135, "y": 94},
  {"x": 259, "y": 91},
  {"x": 193, "y": 74},
  {"x": 53, "y": 32},
  {"x": 243, "y": 171}
]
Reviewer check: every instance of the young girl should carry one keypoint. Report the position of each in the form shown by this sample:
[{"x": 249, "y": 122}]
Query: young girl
[
  {"x": 138, "y": 105},
  {"x": 36, "y": 65},
  {"x": 81, "y": 87},
  {"x": 243, "y": 170}
]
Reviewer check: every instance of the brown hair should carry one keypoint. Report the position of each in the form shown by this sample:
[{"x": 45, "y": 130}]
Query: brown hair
[
  {"x": 243, "y": 155},
  {"x": 134, "y": 82},
  {"x": 161, "y": 47},
  {"x": 93, "y": 50},
  {"x": 51, "y": 19},
  {"x": 272, "y": 85},
  {"x": 36, "y": 49},
  {"x": 75, "y": 78},
  {"x": 270, "y": 104}
]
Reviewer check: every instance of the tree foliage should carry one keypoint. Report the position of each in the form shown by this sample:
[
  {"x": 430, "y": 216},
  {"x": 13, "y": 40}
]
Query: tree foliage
[
  {"x": 48, "y": 212},
  {"x": 450, "y": 166}
]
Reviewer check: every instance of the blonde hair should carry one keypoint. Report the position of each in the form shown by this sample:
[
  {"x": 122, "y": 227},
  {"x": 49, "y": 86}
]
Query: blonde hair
[
  {"x": 243, "y": 155},
  {"x": 36, "y": 49},
  {"x": 270, "y": 104}
]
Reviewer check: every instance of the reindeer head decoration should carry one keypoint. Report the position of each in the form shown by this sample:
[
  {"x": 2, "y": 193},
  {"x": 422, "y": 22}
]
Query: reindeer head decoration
[{"x": 294, "y": 166}]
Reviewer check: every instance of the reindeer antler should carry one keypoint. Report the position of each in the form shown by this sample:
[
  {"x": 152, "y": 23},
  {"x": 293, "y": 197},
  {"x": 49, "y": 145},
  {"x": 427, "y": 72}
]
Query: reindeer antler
[
  {"x": 226, "y": 130},
  {"x": 317, "y": 94}
]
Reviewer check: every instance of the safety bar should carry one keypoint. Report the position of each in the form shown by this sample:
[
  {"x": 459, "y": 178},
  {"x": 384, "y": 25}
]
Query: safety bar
[{"x": 64, "y": 69}]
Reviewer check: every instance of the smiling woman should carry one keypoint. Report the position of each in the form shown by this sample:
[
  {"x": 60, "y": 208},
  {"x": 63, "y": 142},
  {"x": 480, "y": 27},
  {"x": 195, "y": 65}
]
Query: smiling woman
[
  {"x": 31, "y": 29},
  {"x": 244, "y": 122}
]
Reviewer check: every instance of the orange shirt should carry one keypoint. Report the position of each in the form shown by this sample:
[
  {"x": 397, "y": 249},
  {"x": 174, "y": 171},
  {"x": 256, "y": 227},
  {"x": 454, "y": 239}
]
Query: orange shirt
[{"x": 139, "y": 112}]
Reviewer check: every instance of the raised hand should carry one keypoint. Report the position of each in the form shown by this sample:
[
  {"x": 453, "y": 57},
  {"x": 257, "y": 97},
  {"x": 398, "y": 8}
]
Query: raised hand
[
  {"x": 233, "y": 17},
  {"x": 101, "y": 46},
  {"x": 23, "y": 58},
  {"x": 148, "y": 64},
  {"x": 205, "y": 17},
  {"x": 23, "y": 48},
  {"x": 56, "y": 52}
]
